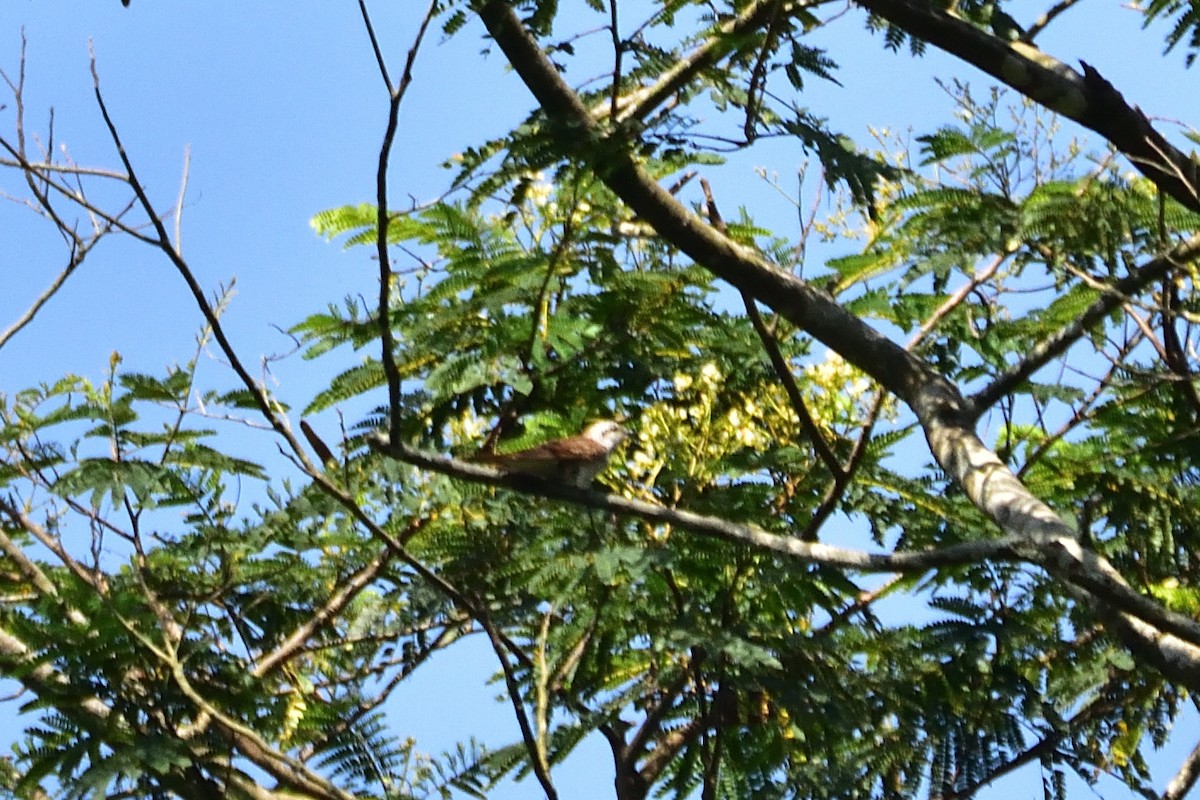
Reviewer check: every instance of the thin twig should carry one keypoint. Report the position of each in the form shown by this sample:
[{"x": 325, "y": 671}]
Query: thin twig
[
  {"x": 618, "y": 52},
  {"x": 268, "y": 408},
  {"x": 1056, "y": 343},
  {"x": 1080, "y": 415},
  {"x": 795, "y": 397},
  {"x": 1045, "y": 19},
  {"x": 66, "y": 169},
  {"x": 537, "y": 758},
  {"x": 841, "y": 480},
  {"x": 73, "y": 262},
  {"x": 37, "y": 178},
  {"x": 349, "y": 589},
  {"x": 860, "y": 604},
  {"x": 782, "y": 369},
  {"x": 382, "y": 215},
  {"x": 958, "y": 298},
  {"x": 183, "y": 184},
  {"x": 380, "y": 61},
  {"x": 640, "y": 103}
]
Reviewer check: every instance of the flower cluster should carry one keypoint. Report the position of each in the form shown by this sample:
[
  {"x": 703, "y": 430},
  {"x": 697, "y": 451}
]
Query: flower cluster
[
  {"x": 691, "y": 434},
  {"x": 838, "y": 394},
  {"x": 702, "y": 423}
]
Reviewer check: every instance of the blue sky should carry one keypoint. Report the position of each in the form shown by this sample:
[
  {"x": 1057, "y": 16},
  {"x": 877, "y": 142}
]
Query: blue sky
[{"x": 282, "y": 110}]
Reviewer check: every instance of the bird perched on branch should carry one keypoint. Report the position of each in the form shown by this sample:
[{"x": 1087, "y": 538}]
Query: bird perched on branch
[{"x": 575, "y": 460}]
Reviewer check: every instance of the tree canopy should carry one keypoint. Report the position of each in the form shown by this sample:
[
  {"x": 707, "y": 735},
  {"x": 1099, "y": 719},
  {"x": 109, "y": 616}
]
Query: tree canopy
[{"x": 805, "y": 574}]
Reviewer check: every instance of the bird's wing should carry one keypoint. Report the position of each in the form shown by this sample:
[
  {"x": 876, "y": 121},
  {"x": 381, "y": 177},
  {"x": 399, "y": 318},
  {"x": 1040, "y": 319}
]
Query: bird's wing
[{"x": 575, "y": 448}]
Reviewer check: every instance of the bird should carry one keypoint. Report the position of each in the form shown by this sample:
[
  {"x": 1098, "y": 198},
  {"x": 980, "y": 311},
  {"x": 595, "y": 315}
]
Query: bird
[{"x": 575, "y": 460}]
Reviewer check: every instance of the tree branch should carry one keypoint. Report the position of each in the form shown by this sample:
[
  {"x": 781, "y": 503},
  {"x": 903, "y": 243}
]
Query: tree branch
[
  {"x": 338, "y": 601},
  {"x": 1040, "y": 24},
  {"x": 1185, "y": 778},
  {"x": 723, "y": 39},
  {"x": 93, "y": 714},
  {"x": 1063, "y": 557},
  {"x": 1088, "y": 99},
  {"x": 382, "y": 215},
  {"x": 1003, "y": 549},
  {"x": 783, "y": 370},
  {"x": 942, "y": 411},
  {"x": 1055, "y": 344},
  {"x": 537, "y": 757},
  {"x": 163, "y": 242}
]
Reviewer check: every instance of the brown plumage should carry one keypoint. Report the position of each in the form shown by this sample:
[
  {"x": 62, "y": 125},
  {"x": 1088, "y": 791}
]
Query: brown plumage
[{"x": 575, "y": 460}]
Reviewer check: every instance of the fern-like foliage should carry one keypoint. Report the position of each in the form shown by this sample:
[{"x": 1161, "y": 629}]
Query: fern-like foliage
[{"x": 1185, "y": 25}]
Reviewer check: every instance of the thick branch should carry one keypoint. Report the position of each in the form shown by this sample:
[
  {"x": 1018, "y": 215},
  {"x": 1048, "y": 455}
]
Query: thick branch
[
  {"x": 1185, "y": 778},
  {"x": 1062, "y": 556},
  {"x": 1088, "y": 99},
  {"x": 1175, "y": 659},
  {"x": 1004, "y": 549}
]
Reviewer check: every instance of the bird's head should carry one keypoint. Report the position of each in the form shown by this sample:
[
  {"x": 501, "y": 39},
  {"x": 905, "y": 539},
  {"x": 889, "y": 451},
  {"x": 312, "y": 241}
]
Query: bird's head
[{"x": 606, "y": 432}]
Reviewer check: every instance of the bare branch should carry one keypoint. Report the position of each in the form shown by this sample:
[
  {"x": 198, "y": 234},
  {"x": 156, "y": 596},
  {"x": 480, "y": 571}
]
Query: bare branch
[
  {"x": 383, "y": 216},
  {"x": 380, "y": 61},
  {"x": 74, "y": 260},
  {"x": 183, "y": 184},
  {"x": 37, "y": 179},
  {"x": 41, "y": 167},
  {"x": 1045, "y": 19},
  {"x": 265, "y": 404}
]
